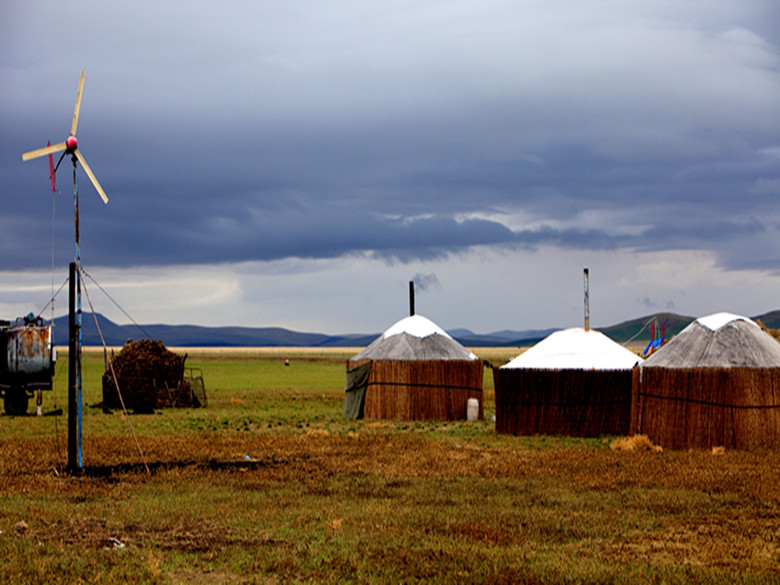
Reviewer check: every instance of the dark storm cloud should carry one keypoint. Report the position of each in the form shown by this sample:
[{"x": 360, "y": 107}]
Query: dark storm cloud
[{"x": 259, "y": 132}]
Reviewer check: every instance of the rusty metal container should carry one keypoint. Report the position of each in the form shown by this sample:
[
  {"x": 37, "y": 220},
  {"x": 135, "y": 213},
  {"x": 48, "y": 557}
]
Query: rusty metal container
[
  {"x": 29, "y": 349},
  {"x": 27, "y": 359}
]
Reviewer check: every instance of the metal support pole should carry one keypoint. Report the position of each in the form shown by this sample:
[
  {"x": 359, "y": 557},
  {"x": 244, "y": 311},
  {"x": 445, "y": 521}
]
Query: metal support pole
[
  {"x": 74, "y": 459},
  {"x": 411, "y": 298},
  {"x": 79, "y": 400},
  {"x": 74, "y": 344}
]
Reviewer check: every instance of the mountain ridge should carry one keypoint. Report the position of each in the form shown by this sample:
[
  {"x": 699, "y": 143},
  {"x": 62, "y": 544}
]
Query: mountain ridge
[{"x": 639, "y": 329}]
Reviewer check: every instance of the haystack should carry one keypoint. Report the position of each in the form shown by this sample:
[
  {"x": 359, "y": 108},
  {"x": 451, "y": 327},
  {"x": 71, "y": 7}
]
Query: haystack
[
  {"x": 149, "y": 377},
  {"x": 575, "y": 382},
  {"x": 413, "y": 371},
  {"x": 716, "y": 384}
]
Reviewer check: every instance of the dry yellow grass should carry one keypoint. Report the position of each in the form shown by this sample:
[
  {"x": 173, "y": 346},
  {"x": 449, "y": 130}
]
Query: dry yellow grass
[
  {"x": 321, "y": 506},
  {"x": 634, "y": 443}
]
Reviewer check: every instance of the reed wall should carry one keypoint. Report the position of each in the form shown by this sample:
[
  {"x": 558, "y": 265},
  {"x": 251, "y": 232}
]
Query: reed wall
[
  {"x": 576, "y": 403},
  {"x": 422, "y": 389},
  {"x": 698, "y": 408}
]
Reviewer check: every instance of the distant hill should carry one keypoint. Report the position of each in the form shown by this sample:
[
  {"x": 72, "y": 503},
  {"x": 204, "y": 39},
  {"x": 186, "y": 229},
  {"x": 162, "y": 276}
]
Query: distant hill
[
  {"x": 197, "y": 336},
  {"x": 671, "y": 324},
  {"x": 770, "y": 319},
  {"x": 641, "y": 329},
  {"x": 504, "y": 338}
]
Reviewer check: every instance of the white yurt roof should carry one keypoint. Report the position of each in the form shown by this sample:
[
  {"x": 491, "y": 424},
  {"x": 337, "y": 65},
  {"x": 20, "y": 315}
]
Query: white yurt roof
[
  {"x": 415, "y": 338},
  {"x": 415, "y": 325},
  {"x": 576, "y": 349},
  {"x": 721, "y": 340},
  {"x": 718, "y": 320}
]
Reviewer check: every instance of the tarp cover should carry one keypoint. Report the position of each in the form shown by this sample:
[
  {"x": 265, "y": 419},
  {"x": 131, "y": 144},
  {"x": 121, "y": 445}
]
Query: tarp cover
[
  {"x": 355, "y": 391},
  {"x": 415, "y": 338},
  {"x": 722, "y": 340}
]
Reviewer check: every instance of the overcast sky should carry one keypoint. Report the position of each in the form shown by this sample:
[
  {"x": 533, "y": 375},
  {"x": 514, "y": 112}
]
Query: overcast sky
[{"x": 296, "y": 163}]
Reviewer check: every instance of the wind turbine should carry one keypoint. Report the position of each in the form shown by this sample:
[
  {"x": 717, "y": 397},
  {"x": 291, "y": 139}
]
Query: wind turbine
[{"x": 71, "y": 147}]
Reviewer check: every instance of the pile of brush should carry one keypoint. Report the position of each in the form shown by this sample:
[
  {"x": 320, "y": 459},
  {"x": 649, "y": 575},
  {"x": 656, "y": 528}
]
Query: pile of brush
[{"x": 149, "y": 377}]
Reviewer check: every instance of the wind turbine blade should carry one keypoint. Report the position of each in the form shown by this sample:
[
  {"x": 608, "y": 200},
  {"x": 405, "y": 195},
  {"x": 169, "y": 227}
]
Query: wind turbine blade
[
  {"x": 44, "y": 151},
  {"x": 91, "y": 175},
  {"x": 78, "y": 106}
]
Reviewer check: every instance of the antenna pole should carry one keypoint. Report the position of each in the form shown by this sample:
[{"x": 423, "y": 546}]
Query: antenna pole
[
  {"x": 587, "y": 300},
  {"x": 411, "y": 298}
]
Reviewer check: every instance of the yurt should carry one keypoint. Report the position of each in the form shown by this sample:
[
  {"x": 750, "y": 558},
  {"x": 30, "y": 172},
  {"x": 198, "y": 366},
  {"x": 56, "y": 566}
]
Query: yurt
[
  {"x": 716, "y": 384},
  {"x": 575, "y": 382},
  {"x": 413, "y": 371}
]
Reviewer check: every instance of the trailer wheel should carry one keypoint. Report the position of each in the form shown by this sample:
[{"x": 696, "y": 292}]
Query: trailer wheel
[{"x": 16, "y": 402}]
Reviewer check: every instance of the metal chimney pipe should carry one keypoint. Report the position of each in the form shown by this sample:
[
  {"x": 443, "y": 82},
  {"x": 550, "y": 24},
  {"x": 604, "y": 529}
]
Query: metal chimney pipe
[
  {"x": 587, "y": 300},
  {"x": 411, "y": 298}
]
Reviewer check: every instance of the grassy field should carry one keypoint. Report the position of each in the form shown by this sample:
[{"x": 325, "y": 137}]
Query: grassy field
[{"x": 269, "y": 484}]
